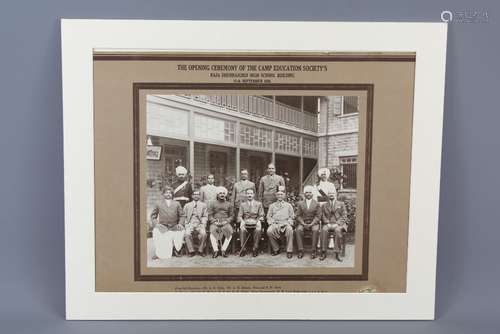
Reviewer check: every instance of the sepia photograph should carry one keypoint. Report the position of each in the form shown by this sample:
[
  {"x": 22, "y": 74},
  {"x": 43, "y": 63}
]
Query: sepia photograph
[{"x": 251, "y": 180}]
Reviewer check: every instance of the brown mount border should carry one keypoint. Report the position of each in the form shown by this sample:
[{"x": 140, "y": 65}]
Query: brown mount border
[
  {"x": 235, "y": 57},
  {"x": 137, "y": 86}
]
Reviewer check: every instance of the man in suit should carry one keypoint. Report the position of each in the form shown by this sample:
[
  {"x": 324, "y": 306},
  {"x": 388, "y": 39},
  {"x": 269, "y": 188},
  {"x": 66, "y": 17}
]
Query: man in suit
[
  {"x": 307, "y": 217},
  {"x": 239, "y": 193},
  {"x": 250, "y": 216},
  {"x": 168, "y": 231},
  {"x": 182, "y": 188},
  {"x": 268, "y": 186},
  {"x": 220, "y": 216},
  {"x": 334, "y": 218},
  {"x": 280, "y": 219},
  {"x": 196, "y": 213},
  {"x": 208, "y": 192}
]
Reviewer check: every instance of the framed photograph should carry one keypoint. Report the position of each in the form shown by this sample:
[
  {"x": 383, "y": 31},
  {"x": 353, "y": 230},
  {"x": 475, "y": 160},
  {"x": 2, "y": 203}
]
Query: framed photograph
[
  {"x": 281, "y": 170},
  {"x": 153, "y": 152}
]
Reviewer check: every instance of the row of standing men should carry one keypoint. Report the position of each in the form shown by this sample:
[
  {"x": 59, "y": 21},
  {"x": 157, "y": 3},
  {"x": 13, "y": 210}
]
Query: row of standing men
[{"x": 184, "y": 212}]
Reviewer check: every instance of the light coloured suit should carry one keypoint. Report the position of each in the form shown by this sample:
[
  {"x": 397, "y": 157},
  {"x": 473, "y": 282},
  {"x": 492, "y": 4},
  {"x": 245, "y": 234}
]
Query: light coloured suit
[
  {"x": 196, "y": 213},
  {"x": 280, "y": 219},
  {"x": 208, "y": 193},
  {"x": 251, "y": 210}
]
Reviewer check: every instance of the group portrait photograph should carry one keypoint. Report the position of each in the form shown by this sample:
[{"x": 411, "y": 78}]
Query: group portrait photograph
[{"x": 251, "y": 180}]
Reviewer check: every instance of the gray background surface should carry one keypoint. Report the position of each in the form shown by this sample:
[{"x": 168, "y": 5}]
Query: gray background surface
[{"x": 31, "y": 168}]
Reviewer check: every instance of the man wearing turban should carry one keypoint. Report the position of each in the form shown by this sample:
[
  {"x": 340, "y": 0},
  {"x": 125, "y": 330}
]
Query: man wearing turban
[
  {"x": 182, "y": 188},
  {"x": 324, "y": 187},
  {"x": 220, "y": 216}
]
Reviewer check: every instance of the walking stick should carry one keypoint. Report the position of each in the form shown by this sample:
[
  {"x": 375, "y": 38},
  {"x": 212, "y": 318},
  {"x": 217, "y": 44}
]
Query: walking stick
[{"x": 244, "y": 243}]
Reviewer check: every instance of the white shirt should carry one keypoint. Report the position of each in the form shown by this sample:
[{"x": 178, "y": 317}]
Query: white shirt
[{"x": 308, "y": 203}]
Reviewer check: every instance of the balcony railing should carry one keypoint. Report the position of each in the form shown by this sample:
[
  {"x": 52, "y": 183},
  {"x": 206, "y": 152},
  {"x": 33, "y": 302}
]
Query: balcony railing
[{"x": 263, "y": 107}]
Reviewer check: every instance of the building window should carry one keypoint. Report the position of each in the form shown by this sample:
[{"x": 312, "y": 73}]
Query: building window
[
  {"x": 287, "y": 143},
  {"x": 310, "y": 147},
  {"x": 350, "y": 105},
  {"x": 256, "y": 137},
  {"x": 348, "y": 167},
  {"x": 214, "y": 129}
]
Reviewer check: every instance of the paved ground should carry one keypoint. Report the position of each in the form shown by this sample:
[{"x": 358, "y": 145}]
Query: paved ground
[{"x": 263, "y": 260}]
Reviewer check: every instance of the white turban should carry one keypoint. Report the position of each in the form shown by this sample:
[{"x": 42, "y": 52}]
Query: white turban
[
  {"x": 180, "y": 170},
  {"x": 324, "y": 170},
  {"x": 309, "y": 189},
  {"x": 221, "y": 189}
]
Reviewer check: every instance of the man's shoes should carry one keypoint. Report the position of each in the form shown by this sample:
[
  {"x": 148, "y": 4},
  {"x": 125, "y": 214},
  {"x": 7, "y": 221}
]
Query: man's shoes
[
  {"x": 224, "y": 254},
  {"x": 289, "y": 255},
  {"x": 323, "y": 256},
  {"x": 202, "y": 254},
  {"x": 176, "y": 253},
  {"x": 313, "y": 255},
  {"x": 338, "y": 257},
  {"x": 215, "y": 254},
  {"x": 301, "y": 254},
  {"x": 274, "y": 253},
  {"x": 255, "y": 253},
  {"x": 191, "y": 254},
  {"x": 243, "y": 253}
]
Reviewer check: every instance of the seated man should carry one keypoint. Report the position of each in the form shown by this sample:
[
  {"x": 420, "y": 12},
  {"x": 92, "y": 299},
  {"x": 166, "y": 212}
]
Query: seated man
[
  {"x": 220, "y": 215},
  {"x": 250, "y": 216},
  {"x": 196, "y": 213},
  {"x": 307, "y": 218},
  {"x": 168, "y": 230},
  {"x": 280, "y": 219},
  {"x": 334, "y": 217}
]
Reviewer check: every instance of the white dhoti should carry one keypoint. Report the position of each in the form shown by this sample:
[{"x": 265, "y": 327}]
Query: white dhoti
[{"x": 164, "y": 241}]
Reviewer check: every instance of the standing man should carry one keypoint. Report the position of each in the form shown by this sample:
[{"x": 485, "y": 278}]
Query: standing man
[
  {"x": 268, "y": 187},
  {"x": 182, "y": 188},
  {"x": 334, "y": 217},
  {"x": 324, "y": 187},
  {"x": 208, "y": 192},
  {"x": 168, "y": 230},
  {"x": 220, "y": 215},
  {"x": 250, "y": 216},
  {"x": 280, "y": 219},
  {"x": 307, "y": 218},
  {"x": 196, "y": 213},
  {"x": 239, "y": 193}
]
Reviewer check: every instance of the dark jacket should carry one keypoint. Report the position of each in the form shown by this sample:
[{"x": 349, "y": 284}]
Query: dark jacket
[
  {"x": 308, "y": 216},
  {"x": 336, "y": 214}
]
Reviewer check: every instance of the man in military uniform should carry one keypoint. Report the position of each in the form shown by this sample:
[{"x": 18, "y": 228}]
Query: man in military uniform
[
  {"x": 250, "y": 216},
  {"x": 280, "y": 220},
  {"x": 220, "y": 215},
  {"x": 268, "y": 186},
  {"x": 334, "y": 217},
  {"x": 324, "y": 186},
  {"x": 239, "y": 193},
  {"x": 196, "y": 213},
  {"x": 208, "y": 192},
  {"x": 182, "y": 188},
  {"x": 168, "y": 226},
  {"x": 307, "y": 218}
]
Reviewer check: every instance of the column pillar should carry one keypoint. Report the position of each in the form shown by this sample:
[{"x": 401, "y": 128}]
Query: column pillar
[
  {"x": 191, "y": 144},
  {"x": 238, "y": 151},
  {"x": 301, "y": 167}
]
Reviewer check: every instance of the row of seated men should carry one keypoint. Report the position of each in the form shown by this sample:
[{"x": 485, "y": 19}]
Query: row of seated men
[{"x": 175, "y": 222}]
